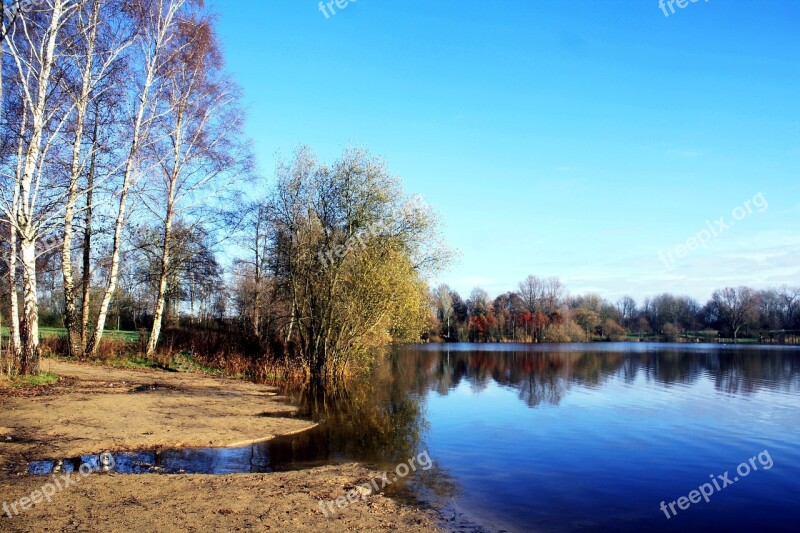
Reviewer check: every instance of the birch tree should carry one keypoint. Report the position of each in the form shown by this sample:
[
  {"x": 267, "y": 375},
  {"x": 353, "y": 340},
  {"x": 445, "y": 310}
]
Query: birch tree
[
  {"x": 7, "y": 18},
  {"x": 198, "y": 151},
  {"x": 156, "y": 21},
  {"x": 35, "y": 44},
  {"x": 93, "y": 61}
]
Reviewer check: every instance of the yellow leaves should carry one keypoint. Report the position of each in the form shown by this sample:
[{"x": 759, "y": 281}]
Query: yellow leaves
[
  {"x": 381, "y": 297},
  {"x": 350, "y": 252}
]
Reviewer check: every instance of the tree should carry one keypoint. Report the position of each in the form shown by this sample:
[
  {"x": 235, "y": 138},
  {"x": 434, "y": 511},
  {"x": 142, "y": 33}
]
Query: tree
[
  {"x": 193, "y": 273},
  {"x": 736, "y": 308},
  {"x": 155, "y": 23},
  {"x": 253, "y": 267},
  {"x": 671, "y": 332},
  {"x": 460, "y": 315},
  {"x": 483, "y": 328},
  {"x": 478, "y": 302},
  {"x": 509, "y": 310},
  {"x": 611, "y": 330},
  {"x": 95, "y": 56},
  {"x": 627, "y": 310},
  {"x": 552, "y": 295},
  {"x": 35, "y": 44},
  {"x": 770, "y": 310},
  {"x": 531, "y": 291},
  {"x": 443, "y": 303},
  {"x": 6, "y": 22},
  {"x": 348, "y": 251},
  {"x": 588, "y": 319},
  {"x": 789, "y": 299},
  {"x": 539, "y": 322},
  {"x": 199, "y": 149}
]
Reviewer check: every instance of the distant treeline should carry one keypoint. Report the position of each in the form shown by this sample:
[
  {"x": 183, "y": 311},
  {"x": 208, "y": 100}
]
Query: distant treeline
[{"x": 541, "y": 311}]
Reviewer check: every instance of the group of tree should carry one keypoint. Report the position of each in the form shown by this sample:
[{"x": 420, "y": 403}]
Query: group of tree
[
  {"x": 128, "y": 197},
  {"x": 336, "y": 260},
  {"x": 542, "y": 311},
  {"x": 123, "y": 167},
  {"x": 116, "y": 114}
]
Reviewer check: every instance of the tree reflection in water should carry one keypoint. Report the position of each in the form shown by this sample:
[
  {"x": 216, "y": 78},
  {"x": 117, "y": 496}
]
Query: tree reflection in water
[
  {"x": 544, "y": 377},
  {"x": 373, "y": 418},
  {"x": 377, "y": 417}
]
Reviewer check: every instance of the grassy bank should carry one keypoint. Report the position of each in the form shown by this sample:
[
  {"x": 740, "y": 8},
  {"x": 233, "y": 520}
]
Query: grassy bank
[{"x": 130, "y": 336}]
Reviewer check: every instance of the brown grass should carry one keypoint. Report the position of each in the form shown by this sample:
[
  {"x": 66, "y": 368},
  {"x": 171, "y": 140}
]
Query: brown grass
[
  {"x": 234, "y": 354},
  {"x": 230, "y": 354},
  {"x": 108, "y": 350}
]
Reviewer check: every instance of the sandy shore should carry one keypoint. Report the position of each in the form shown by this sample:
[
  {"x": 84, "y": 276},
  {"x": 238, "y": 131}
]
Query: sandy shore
[{"x": 94, "y": 409}]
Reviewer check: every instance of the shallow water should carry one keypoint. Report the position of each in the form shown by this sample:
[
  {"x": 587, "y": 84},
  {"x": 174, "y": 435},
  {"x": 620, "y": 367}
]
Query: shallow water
[
  {"x": 559, "y": 437},
  {"x": 276, "y": 455}
]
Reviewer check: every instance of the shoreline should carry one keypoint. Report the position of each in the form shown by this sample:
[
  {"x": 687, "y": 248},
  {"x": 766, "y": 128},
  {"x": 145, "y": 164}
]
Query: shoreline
[{"x": 94, "y": 408}]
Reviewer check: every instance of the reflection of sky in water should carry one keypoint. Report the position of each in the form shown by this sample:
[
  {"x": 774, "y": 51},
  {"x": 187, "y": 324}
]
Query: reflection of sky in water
[
  {"x": 603, "y": 456},
  {"x": 538, "y": 437},
  {"x": 283, "y": 453},
  {"x": 190, "y": 461}
]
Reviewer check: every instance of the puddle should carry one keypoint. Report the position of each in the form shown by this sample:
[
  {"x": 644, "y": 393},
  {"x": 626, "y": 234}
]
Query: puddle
[
  {"x": 291, "y": 452},
  {"x": 278, "y": 414},
  {"x": 151, "y": 388}
]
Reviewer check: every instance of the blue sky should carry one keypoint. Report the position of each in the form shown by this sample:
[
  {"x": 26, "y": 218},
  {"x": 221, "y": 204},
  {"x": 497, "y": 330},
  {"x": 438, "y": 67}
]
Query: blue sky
[{"x": 568, "y": 138}]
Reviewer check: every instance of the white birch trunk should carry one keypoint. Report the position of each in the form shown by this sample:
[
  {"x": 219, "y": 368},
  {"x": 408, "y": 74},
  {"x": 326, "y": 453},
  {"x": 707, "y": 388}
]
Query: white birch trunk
[
  {"x": 166, "y": 20},
  {"x": 70, "y": 307},
  {"x": 25, "y": 215}
]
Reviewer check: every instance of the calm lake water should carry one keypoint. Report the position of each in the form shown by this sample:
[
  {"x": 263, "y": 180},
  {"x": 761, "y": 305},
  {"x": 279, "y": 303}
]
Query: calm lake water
[
  {"x": 595, "y": 437},
  {"x": 557, "y": 437}
]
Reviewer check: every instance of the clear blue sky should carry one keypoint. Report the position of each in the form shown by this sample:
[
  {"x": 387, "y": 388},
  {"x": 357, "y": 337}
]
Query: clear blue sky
[{"x": 562, "y": 137}]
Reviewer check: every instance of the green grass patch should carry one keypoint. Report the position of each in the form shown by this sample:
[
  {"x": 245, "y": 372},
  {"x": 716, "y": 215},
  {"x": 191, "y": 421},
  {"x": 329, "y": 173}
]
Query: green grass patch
[
  {"x": 740, "y": 340},
  {"x": 135, "y": 361},
  {"x": 128, "y": 336},
  {"x": 39, "y": 380},
  {"x": 185, "y": 363}
]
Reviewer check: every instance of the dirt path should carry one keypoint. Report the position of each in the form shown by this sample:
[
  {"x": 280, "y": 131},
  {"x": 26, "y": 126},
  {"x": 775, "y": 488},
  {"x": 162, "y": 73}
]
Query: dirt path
[{"x": 93, "y": 409}]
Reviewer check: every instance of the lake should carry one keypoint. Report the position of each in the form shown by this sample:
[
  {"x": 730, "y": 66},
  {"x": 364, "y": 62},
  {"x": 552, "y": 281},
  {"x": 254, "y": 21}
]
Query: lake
[
  {"x": 570, "y": 437},
  {"x": 596, "y": 436}
]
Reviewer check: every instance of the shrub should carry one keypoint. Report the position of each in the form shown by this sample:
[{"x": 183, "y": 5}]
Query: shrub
[
  {"x": 568, "y": 331},
  {"x": 671, "y": 332},
  {"x": 611, "y": 330}
]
